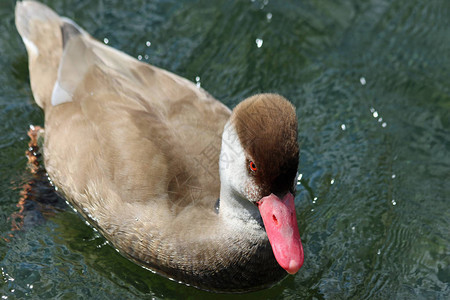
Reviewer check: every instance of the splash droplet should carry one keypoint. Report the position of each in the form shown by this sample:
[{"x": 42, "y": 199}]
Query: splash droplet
[
  {"x": 148, "y": 43},
  {"x": 299, "y": 178},
  {"x": 259, "y": 43},
  {"x": 106, "y": 41}
]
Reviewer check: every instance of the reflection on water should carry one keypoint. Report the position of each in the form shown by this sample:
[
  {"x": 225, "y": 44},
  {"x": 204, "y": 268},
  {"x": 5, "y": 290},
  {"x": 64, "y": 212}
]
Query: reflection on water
[
  {"x": 370, "y": 83},
  {"x": 38, "y": 198}
]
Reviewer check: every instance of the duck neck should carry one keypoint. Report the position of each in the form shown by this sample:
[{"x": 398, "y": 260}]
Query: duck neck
[{"x": 234, "y": 207}]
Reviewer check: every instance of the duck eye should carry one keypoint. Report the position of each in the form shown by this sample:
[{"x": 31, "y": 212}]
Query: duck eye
[{"x": 252, "y": 166}]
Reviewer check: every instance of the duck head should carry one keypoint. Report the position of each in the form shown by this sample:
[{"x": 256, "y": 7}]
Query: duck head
[{"x": 258, "y": 167}]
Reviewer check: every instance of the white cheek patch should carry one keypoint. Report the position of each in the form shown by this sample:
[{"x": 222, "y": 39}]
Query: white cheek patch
[
  {"x": 253, "y": 191},
  {"x": 232, "y": 150},
  {"x": 232, "y": 162},
  {"x": 237, "y": 188}
]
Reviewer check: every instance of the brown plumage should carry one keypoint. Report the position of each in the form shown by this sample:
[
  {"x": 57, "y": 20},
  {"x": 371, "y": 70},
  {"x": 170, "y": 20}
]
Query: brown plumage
[
  {"x": 136, "y": 150},
  {"x": 267, "y": 128}
]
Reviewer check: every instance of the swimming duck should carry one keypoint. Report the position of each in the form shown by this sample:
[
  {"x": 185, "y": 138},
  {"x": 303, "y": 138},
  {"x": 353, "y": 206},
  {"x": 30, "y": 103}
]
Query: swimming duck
[{"x": 170, "y": 176}]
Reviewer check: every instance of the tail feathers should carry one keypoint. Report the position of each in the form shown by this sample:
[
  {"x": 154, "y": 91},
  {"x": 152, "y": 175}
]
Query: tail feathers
[
  {"x": 31, "y": 13},
  {"x": 27, "y": 12},
  {"x": 69, "y": 29},
  {"x": 44, "y": 34}
]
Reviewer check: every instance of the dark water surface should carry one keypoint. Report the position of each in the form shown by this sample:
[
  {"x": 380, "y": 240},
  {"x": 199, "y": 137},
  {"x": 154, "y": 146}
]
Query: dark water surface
[{"x": 370, "y": 80}]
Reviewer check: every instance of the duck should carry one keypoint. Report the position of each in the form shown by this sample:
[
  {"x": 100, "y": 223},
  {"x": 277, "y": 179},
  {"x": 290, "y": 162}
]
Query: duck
[{"x": 172, "y": 178}]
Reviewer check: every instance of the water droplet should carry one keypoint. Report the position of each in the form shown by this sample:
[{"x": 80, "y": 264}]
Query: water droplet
[
  {"x": 379, "y": 251},
  {"x": 372, "y": 109},
  {"x": 197, "y": 81},
  {"x": 106, "y": 41},
  {"x": 375, "y": 114},
  {"x": 380, "y": 120},
  {"x": 362, "y": 80},
  {"x": 139, "y": 57},
  {"x": 394, "y": 202},
  {"x": 299, "y": 178},
  {"x": 146, "y": 56},
  {"x": 343, "y": 127},
  {"x": 384, "y": 124},
  {"x": 259, "y": 43},
  {"x": 353, "y": 228},
  {"x": 269, "y": 16},
  {"x": 332, "y": 181},
  {"x": 148, "y": 43},
  {"x": 393, "y": 176}
]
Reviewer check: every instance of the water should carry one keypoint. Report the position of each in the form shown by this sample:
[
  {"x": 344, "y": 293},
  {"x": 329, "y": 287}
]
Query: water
[{"x": 370, "y": 80}]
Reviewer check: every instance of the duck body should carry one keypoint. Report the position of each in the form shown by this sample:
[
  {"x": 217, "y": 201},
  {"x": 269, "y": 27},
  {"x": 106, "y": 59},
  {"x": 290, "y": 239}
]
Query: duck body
[{"x": 136, "y": 150}]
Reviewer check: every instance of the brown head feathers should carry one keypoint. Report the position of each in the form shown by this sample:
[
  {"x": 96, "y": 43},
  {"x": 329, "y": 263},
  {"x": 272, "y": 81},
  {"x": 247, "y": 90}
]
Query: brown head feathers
[{"x": 266, "y": 125}]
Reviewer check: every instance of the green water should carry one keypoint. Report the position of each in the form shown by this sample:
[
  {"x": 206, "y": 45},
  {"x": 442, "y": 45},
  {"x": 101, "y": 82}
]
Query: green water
[{"x": 370, "y": 80}]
